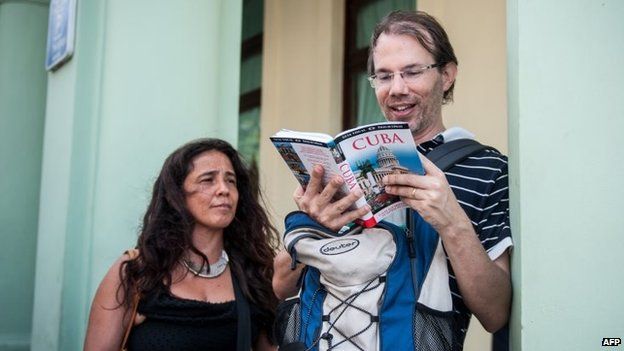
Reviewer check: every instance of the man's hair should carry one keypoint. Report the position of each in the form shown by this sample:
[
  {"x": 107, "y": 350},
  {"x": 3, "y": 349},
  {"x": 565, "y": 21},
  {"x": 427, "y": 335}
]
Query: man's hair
[{"x": 422, "y": 27}]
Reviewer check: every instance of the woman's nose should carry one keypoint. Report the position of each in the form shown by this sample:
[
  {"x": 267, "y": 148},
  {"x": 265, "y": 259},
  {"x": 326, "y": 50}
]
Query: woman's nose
[{"x": 222, "y": 187}]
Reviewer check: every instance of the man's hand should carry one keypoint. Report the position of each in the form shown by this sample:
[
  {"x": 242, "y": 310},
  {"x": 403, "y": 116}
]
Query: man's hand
[
  {"x": 317, "y": 201},
  {"x": 430, "y": 195}
]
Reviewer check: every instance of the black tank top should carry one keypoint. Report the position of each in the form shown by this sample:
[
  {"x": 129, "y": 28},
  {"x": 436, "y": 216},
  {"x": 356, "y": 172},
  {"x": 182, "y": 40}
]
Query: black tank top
[{"x": 174, "y": 323}]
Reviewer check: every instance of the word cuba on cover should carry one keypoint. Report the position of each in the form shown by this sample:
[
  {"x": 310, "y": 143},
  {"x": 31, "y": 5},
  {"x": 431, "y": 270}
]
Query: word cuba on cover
[{"x": 611, "y": 341}]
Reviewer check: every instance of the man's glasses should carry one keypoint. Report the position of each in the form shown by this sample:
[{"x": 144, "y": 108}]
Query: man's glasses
[{"x": 384, "y": 79}]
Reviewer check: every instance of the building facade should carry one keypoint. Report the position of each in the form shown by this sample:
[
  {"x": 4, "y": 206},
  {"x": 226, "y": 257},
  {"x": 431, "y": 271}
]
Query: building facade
[{"x": 81, "y": 145}]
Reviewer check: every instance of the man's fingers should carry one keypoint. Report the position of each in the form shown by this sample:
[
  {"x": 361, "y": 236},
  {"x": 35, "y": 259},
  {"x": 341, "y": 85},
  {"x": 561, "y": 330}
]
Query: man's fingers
[
  {"x": 350, "y": 216},
  {"x": 346, "y": 202},
  {"x": 298, "y": 192},
  {"x": 298, "y": 196},
  {"x": 406, "y": 192},
  {"x": 316, "y": 178},
  {"x": 430, "y": 167},
  {"x": 408, "y": 179},
  {"x": 329, "y": 191},
  {"x": 337, "y": 214},
  {"x": 316, "y": 200},
  {"x": 336, "y": 221},
  {"x": 360, "y": 212}
]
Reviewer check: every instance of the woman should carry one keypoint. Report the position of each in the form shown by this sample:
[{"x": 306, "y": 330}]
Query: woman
[{"x": 204, "y": 238}]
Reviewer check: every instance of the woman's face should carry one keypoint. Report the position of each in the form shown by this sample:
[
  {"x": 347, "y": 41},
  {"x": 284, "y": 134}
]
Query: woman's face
[{"x": 211, "y": 193}]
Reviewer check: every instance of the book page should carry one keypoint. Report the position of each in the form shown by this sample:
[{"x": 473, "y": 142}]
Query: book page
[
  {"x": 293, "y": 134},
  {"x": 302, "y": 155}
]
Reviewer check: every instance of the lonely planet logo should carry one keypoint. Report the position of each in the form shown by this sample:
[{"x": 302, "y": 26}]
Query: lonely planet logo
[{"x": 340, "y": 246}]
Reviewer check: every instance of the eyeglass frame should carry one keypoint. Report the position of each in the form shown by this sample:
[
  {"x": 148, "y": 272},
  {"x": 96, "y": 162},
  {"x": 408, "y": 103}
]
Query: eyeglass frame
[{"x": 419, "y": 70}]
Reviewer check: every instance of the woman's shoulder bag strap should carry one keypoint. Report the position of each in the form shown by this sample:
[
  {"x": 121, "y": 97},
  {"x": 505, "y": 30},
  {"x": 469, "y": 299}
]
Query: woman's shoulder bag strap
[{"x": 133, "y": 253}]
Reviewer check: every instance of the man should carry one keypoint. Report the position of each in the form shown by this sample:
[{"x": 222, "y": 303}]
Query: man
[{"x": 412, "y": 68}]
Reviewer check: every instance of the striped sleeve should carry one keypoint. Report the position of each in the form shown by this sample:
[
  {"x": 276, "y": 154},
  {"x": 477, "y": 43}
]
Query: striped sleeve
[{"x": 481, "y": 185}]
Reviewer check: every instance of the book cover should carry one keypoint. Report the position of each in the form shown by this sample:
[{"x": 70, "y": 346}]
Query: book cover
[
  {"x": 361, "y": 156},
  {"x": 374, "y": 151}
]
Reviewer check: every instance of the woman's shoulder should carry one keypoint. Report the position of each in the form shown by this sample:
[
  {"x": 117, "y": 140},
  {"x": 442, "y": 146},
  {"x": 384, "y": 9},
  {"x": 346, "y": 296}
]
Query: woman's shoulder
[
  {"x": 116, "y": 269},
  {"x": 113, "y": 277}
]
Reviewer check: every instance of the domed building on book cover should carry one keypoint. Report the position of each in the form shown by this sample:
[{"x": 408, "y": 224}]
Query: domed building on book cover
[{"x": 369, "y": 176}]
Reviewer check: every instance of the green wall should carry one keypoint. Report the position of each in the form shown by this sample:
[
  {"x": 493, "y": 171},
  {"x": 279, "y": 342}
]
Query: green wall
[
  {"x": 566, "y": 114},
  {"x": 145, "y": 77},
  {"x": 23, "y": 27}
]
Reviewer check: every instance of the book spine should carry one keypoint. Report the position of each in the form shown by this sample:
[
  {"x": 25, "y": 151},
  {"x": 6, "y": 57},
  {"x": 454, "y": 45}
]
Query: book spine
[
  {"x": 350, "y": 181},
  {"x": 367, "y": 223}
]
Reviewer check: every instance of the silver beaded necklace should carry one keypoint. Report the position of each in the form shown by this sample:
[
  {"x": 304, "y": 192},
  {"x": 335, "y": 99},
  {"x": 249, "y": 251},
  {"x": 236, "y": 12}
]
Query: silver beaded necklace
[{"x": 208, "y": 271}]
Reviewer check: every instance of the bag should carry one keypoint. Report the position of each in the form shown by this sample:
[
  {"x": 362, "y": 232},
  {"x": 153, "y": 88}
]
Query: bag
[
  {"x": 380, "y": 288},
  {"x": 369, "y": 289}
]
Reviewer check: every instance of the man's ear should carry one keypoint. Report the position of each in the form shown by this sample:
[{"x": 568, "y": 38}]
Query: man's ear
[{"x": 449, "y": 72}]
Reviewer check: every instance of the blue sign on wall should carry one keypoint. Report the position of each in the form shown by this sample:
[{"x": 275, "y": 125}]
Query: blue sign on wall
[{"x": 61, "y": 30}]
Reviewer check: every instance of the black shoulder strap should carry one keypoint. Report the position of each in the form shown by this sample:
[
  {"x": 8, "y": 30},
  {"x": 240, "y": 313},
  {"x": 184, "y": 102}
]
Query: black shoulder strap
[
  {"x": 449, "y": 153},
  {"x": 243, "y": 335}
]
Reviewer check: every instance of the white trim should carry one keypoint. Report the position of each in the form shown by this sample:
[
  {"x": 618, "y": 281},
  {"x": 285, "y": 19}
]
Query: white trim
[
  {"x": 454, "y": 133},
  {"x": 495, "y": 251},
  {"x": 436, "y": 292}
]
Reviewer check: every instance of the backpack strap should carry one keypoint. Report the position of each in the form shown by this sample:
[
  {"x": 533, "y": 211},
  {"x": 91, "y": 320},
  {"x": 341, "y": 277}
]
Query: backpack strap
[
  {"x": 411, "y": 251},
  {"x": 444, "y": 157},
  {"x": 448, "y": 154}
]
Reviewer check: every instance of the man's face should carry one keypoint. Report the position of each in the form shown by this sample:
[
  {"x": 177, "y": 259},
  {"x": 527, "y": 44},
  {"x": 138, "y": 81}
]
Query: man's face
[{"x": 419, "y": 102}]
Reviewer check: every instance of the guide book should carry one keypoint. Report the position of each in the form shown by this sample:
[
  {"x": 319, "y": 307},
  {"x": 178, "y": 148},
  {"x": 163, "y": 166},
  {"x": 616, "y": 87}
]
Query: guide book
[{"x": 362, "y": 156}]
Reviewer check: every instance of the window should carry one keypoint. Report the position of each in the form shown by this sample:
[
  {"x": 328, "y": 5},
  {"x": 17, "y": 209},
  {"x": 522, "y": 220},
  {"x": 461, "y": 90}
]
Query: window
[
  {"x": 250, "y": 84},
  {"x": 359, "y": 103}
]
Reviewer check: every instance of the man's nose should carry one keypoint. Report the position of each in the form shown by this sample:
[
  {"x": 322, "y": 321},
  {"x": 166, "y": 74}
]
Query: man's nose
[{"x": 398, "y": 85}]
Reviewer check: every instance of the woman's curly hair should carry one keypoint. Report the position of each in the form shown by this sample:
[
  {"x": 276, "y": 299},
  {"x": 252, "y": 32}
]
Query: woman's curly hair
[{"x": 165, "y": 236}]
